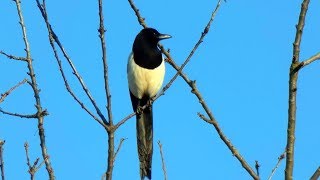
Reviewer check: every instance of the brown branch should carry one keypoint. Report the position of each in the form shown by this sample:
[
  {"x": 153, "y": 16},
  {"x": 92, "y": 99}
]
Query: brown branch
[
  {"x": 280, "y": 158},
  {"x": 111, "y": 154},
  {"x": 13, "y": 57},
  {"x": 110, "y": 127},
  {"x": 203, "y": 34},
  {"x": 162, "y": 161},
  {"x": 293, "y": 78},
  {"x": 118, "y": 149},
  {"x": 34, "y": 168},
  {"x": 231, "y": 147},
  {"x": 1, "y": 160},
  {"x": 54, "y": 38},
  {"x": 316, "y": 174},
  {"x": 75, "y": 97},
  {"x": 28, "y": 116},
  {"x": 36, "y": 93},
  {"x": 307, "y": 62},
  {"x": 104, "y": 59},
  {"x": 196, "y": 92},
  {"x": 140, "y": 18},
  {"x": 124, "y": 120},
  {"x": 4, "y": 95}
]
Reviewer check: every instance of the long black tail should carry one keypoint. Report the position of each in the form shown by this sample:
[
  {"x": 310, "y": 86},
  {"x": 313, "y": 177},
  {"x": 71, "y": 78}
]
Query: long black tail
[
  {"x": 144, "y": 135},
  {"x": 145, "y": 141}
]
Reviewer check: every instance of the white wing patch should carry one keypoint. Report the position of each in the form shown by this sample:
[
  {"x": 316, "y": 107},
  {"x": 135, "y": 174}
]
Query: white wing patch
[{"x": 144, "y": 81}]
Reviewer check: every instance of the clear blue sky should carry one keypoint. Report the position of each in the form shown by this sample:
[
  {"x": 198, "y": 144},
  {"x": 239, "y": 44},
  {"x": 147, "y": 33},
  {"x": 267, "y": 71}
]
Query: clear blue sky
[{"x": 241, "y": 70}]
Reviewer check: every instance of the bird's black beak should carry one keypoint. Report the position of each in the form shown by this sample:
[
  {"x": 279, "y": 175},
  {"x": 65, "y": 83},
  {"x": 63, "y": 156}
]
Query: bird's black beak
[{"x": 164, "y": 36}]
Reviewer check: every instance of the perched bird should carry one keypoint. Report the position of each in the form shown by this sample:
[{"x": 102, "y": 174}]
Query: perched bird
[{"x": 145, "y": 71}]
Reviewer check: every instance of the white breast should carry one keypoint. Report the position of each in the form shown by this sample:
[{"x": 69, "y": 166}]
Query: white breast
[{"x": 144, "y": 81}]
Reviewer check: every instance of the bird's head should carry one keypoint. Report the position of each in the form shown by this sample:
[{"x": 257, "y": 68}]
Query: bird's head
[{"x": 150, "y": 36}]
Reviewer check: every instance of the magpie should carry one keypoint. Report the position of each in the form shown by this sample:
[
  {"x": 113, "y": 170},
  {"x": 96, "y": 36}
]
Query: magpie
[{"x": 145, "y": 73}]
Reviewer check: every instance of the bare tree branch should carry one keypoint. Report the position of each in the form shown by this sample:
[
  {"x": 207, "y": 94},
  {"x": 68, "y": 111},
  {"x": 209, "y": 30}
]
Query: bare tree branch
[
  {"x": 34, "y": 168},
  {"x": 316, "y": 174},
  {"x": 1, "y": 160},
  {"x": 36, "y": 94},
  {"x": 233, "y": 150},
  {"x": 104, "y": 59},
  {"x": 124, "y": 120},
  {"x": 140, "y": 18},
  {"x": 293, "y": 78},
  {"x": 28, "y": 116},
  {"x": 203, "y": 34},
  {"x": 110, "y": 127},
  {"x": 196, "y": 92},
  {"x": 4, "y": 95},
  {"x": 118, "y": 149},
  {"x": 162, "y": 161},
  {"x": 54, "y": 37},
  {"x": 280, "y": 158},
  {"x": 307, "y": 62},
  {"x": 13, "y": 57},
  {"x": 51, "y": 40}
]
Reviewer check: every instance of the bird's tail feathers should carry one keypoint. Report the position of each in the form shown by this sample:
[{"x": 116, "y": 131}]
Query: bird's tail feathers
[{"x": 145, "y": 141}]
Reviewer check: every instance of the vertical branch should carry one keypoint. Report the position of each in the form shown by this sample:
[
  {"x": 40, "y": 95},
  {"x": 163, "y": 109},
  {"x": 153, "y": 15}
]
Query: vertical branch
[
  {"x": 35, "y": 89},
  {"x": 1, "y": 160},
  {"x": 31, "y": 172},
  {"x": 111, "y": 155},
  {"x": 104, "y": 59},
  {"x": 163, "y": 163},
  {"x": 110, "y": 127},
  {"x": 293, "y": 78}
]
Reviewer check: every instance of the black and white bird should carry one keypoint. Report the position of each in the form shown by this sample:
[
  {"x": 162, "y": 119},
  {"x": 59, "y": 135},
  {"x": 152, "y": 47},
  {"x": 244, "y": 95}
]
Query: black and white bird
[{"x": 145, "y": 71}]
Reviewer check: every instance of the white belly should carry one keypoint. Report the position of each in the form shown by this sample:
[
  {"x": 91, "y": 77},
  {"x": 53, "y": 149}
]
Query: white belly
[{"x": 144, "y": 81}]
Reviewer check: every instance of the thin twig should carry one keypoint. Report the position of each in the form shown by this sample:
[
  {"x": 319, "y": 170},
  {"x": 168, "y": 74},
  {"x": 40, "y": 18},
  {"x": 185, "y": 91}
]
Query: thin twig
[
  {"x": 28, "y": 116},
  {"x": 13, "y": 57},
  {"x": 203, "y": 34},
  {"x": 125, "y": 119},
  {"x": 307, "y": 62},
  {"x": 231, "y": 147},
  {"x": 119, "y": 147},
  {"x": 257, "y": 166},
  {"x": 4, "y": 95},
  {"x": 75, "y": 97},
  {"x": 196, "y": 92},
  {"x": 1, "y": 160},
  {"x": 54, "y": 38},
  {"x": 140, "y": 18},
  {"x": 280, "y": 158},
  {"x": 36, "y": 94},
  {"x": 34, "y": 168},
  {"x": 104, "y": 59},
  {"x": 293, "y": 78},
  {"x": 162, "y": 161},
  {"x": 316, "y": 174}
]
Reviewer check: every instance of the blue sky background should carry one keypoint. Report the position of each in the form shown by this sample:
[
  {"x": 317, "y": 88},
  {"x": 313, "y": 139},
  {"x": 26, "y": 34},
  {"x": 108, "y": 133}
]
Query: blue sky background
[{"x": 241, "y": 70}]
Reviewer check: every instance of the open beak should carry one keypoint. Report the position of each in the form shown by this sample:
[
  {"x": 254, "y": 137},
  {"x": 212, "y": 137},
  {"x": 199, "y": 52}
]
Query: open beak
[{"x": 164, "y": 36}]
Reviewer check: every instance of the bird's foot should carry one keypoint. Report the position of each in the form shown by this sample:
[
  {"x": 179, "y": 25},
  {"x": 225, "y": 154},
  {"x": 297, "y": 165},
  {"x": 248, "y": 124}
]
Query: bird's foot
[{"x": 139, "y": 110}]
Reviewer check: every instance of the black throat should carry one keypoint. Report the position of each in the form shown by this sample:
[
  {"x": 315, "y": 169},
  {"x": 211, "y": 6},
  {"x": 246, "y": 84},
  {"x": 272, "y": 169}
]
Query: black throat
[{"x": 147, "y": 55}]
